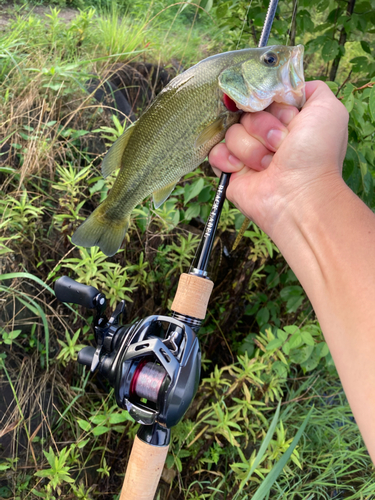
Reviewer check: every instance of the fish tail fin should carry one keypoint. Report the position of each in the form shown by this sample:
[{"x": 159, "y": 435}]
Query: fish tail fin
[{"x": 102, "y": 232}]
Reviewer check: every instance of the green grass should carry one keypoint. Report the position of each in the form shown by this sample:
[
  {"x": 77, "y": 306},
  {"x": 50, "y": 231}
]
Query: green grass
[{"x": 261, "y": 343}]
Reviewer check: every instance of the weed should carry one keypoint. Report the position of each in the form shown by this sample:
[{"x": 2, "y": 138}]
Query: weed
[
  {"x": 265, "y": 362},
  {"x": 70, "y": 349}
]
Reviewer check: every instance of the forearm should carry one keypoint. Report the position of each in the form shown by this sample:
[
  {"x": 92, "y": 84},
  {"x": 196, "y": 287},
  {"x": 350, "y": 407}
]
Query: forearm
[
  {"x": 329, "y": 242},
  {"x": 292, "y": 189}
]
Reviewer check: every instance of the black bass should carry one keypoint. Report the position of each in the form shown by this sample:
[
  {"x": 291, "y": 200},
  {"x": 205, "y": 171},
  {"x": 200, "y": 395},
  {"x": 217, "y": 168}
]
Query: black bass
[{"x": 176, "y": 133}]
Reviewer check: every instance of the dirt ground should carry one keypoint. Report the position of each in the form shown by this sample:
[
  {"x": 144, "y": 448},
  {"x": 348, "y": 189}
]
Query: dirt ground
[{"x": 10, "y": 10}]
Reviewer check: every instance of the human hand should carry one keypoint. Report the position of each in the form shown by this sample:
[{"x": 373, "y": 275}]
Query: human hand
[{"x": 281, "y": 157}]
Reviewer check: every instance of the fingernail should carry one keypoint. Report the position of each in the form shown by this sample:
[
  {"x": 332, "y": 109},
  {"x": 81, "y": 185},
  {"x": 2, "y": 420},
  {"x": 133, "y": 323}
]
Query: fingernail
[
  {"x": 233, "y": 160},
  {"x": 275, "y": 137},
  {"x": 286, "y": 116},
  {"x": 266, "y": 160}
]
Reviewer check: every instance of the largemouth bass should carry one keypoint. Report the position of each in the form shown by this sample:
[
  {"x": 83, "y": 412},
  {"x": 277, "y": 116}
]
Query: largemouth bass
[{"x": 176, "y": 133}]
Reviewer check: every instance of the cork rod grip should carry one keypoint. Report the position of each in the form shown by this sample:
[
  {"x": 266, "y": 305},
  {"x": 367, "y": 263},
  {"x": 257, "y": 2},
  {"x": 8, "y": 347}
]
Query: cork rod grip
[
  {"x": 192, "y": 296},
  {"x": 143, "y": 472}
]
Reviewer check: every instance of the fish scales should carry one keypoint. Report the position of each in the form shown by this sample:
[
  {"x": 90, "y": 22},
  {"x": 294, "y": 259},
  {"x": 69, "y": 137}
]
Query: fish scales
[{"x": 172, "y": 137}]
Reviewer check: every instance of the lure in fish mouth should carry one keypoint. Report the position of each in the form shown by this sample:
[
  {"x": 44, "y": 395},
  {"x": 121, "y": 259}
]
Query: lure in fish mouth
[{"x": 176, "y": 133}]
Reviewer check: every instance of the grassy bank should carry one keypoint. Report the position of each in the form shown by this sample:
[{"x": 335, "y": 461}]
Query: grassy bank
[{"x": 62, "y": 433}]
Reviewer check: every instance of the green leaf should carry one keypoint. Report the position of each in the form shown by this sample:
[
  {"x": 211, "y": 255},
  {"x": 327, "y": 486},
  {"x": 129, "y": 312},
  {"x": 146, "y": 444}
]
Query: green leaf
[
  {"x": 366, "y": 47},
  {"x": 86, "y": 426},
  {"x": 274, "y": 344},
  {"x": 310, "y": 364},
  {"x": 268, "y": 482},
  {"x": 44, "y": 473},
  {"x": 295, "y": 340},
  {"x": 322, "y": 349},
  {"x": 262, "y": 316},
  {"x": 299, "y": 356},
  {"x": 330, "y": 50},
  {"x": 192, "y": 211},
  {"x": 286, "y": 348},
  {"x": 359, "y": 64},
  {"x": 169, "y": 461},
  {"x": 118, "y": 428},
  {"x": 39, "y": 494},
  {"x": 333, "y": 86},
  {"x": 280, "y": 368},
  {"x": 11, "y": 335},
  {"x": 208, "y": 5},
  {"x": 263, "y": 448},
  {"x": 101, "y": 429},
  {"x": 53, "y": 86},
  {"x": 83, "y": 443},
  {"x": 192, "y": 190},
  {"x": 5, "y": 492},
  {"x": 205, "y": 194},
  {"x": 307, "y": 338},
  {"x": 282, "y": 334},
  {"x": 98, "y": 419},
  {"x": 222, "y": 10},
  {"x": 349, "y": 102},
  {"x": 176, "y": 217},
  {"x": 118, "y": 418},
  {"x": 247, "y": 345},
  {"x": 291, "y": 329}
]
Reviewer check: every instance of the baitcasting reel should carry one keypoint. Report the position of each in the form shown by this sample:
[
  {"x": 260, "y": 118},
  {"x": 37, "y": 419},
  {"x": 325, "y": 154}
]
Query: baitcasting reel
[{"x": 153, "y": 364}]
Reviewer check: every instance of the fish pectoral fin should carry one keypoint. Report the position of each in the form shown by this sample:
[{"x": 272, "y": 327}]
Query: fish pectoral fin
[
  {"x": 112, "y": 159},
  {"x": 207, "y": 134},
  {"x": 162, "y": 194}
]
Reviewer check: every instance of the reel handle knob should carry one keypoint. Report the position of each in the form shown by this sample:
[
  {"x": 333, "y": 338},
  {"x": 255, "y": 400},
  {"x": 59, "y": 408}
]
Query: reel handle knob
[
  {"x": 68, "y": 290},
  {"x": 86, "y": 355}
]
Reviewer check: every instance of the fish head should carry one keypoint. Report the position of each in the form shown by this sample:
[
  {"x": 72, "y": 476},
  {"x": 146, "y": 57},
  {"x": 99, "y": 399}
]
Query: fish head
[{"x": 270, "y": 74}]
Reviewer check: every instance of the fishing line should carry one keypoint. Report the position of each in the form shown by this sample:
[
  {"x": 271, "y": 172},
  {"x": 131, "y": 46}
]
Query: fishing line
[{"x": 243, "y": 24}]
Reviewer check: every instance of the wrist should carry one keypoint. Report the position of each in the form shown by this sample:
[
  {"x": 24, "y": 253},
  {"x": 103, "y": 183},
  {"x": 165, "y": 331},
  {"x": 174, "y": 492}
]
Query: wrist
[
  {"x": 305, "y": 209},
  {"x": 305, "y": 227}
]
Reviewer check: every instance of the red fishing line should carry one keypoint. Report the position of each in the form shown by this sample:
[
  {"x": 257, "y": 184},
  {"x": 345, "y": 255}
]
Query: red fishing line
[{"x": 138, "y": 370}]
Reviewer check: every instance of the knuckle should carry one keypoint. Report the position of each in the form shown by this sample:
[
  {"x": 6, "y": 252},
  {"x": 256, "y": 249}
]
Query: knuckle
[{"x": 232, "y": 134}]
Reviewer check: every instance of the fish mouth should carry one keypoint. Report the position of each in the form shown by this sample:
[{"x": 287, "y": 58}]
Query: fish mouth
[{"x": 293, "y": 78}]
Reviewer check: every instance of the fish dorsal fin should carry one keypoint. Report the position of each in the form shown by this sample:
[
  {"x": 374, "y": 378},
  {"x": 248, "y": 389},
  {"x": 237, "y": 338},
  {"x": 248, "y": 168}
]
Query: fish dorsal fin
[
  {"x": 210, "y": 132},
  {"x": 162, "y": 194},
  {"x": 178, "y": 82},
  {"x": 112, "y": 159}
]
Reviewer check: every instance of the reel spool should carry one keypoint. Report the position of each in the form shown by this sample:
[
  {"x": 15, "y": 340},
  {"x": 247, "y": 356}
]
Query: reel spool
[{"x": 153, "y": 365}]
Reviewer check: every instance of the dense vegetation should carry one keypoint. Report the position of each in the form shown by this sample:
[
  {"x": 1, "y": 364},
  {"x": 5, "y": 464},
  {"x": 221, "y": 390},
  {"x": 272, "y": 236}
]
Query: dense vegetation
[{"x": 62, "y": 435}]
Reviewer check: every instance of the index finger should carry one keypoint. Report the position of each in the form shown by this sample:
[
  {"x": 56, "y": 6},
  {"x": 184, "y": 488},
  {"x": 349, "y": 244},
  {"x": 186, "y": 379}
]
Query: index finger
[{"x": 286, "y": 113}]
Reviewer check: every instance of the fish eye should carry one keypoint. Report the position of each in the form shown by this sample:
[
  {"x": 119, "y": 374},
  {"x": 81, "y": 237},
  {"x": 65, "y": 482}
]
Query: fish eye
[{"x": 270, "y": 59}]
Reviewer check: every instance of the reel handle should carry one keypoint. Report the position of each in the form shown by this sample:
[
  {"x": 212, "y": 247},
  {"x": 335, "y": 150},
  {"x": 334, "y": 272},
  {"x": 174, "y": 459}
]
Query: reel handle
[
  {"x": 68, "y": 290},
  {"x": 191, "y": 300}
]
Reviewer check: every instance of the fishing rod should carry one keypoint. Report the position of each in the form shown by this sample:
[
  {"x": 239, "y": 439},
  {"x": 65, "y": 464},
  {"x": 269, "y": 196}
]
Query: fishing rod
[
  {"x": 225, "y": 177},
  {"x": 153, "y": 364}
]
